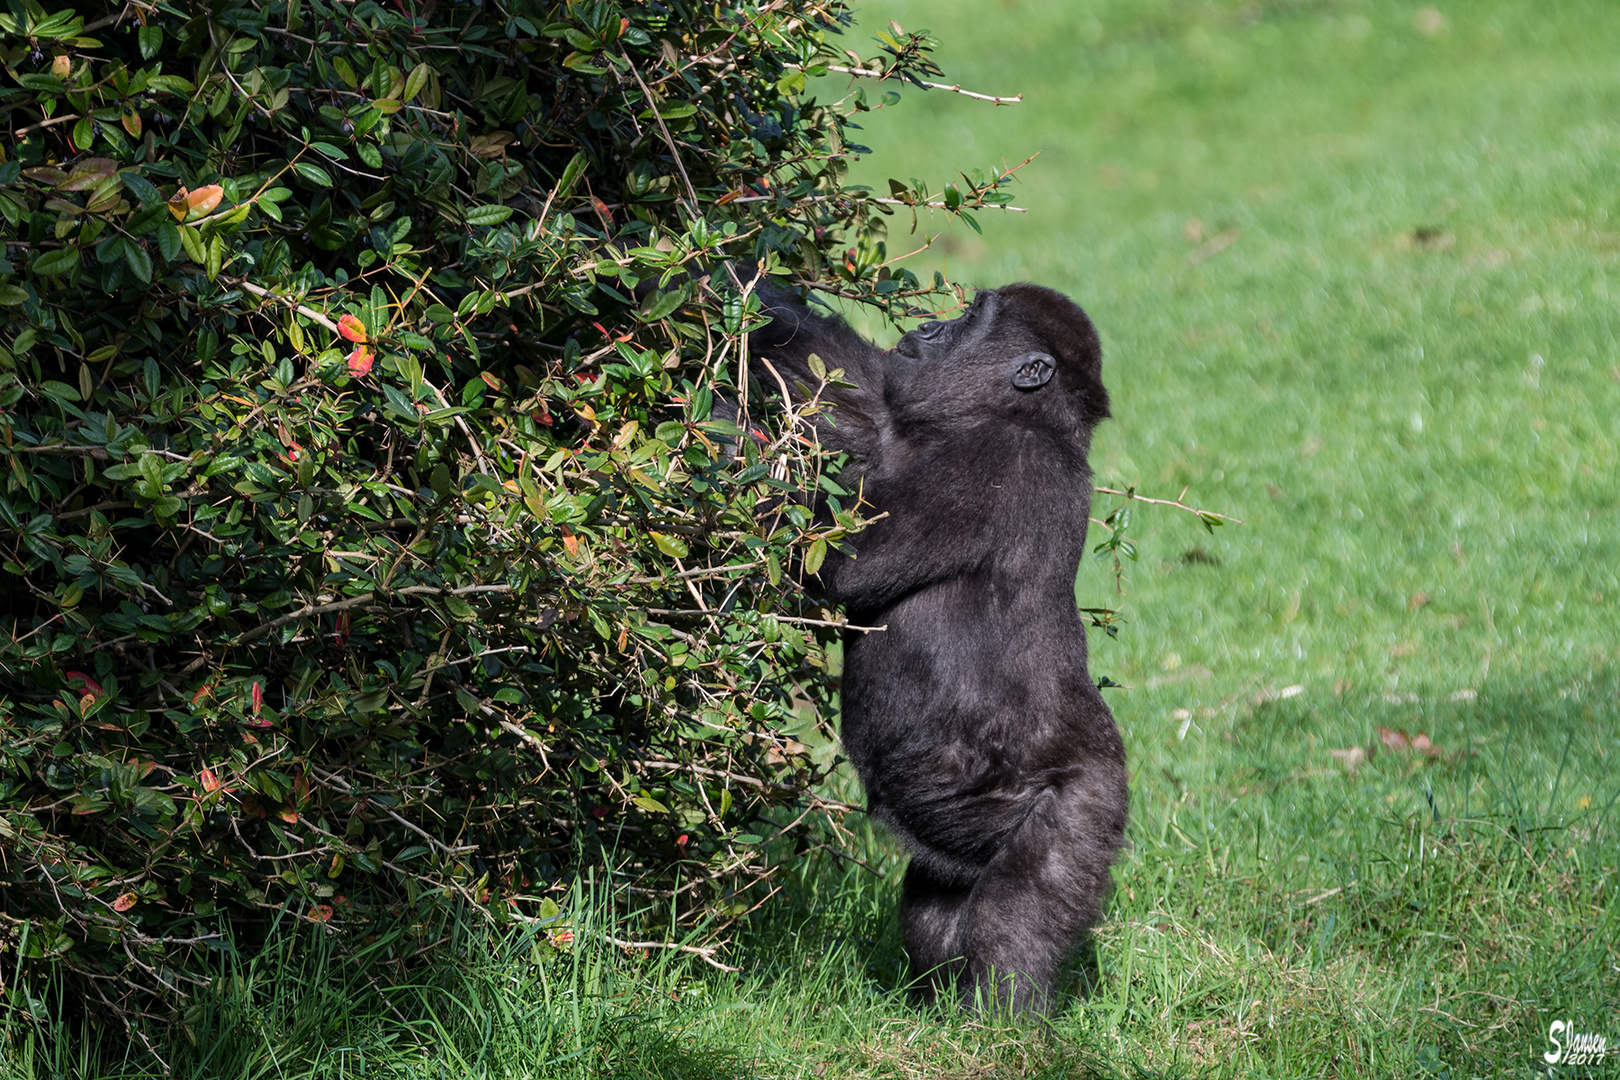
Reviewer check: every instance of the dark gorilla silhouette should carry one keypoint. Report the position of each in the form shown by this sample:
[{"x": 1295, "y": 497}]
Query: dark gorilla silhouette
[{"x": 977, "y": 732}]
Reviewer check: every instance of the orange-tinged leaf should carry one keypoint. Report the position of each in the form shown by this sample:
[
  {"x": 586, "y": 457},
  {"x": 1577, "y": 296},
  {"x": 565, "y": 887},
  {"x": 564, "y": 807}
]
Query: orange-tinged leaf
[
  {"x": 258, "y": 696},
  {"x": 125, "y": 902},
  {"x": 206, "y": 689},
  {"x": 360, "y": 361},
  {"x": 352, "y": 329},
  {"x": 288, "y": 814},
  {"x": 204, "y": 199},
  {"x": 132, "y": 123},
  {"x": 321, "y": 913},
  {"x": 177, "y": 204},
  {"x": 210, "y": 782}
]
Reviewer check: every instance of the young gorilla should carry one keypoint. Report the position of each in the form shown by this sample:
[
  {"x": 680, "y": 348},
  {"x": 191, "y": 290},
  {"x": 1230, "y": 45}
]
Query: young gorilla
[{"x": 977, "y": 732}]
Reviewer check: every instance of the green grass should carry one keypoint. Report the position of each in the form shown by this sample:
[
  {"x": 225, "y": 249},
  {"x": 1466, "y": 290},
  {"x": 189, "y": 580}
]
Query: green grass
[{"x": 1352, "y": 270}]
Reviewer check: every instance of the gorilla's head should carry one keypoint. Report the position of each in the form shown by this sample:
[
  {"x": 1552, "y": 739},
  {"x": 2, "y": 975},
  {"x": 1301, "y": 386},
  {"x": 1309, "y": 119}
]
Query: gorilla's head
[{"x": 1018, "y": 352}]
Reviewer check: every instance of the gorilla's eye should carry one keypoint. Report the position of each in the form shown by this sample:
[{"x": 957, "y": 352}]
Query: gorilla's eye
[{"x": 930, "y": 329}]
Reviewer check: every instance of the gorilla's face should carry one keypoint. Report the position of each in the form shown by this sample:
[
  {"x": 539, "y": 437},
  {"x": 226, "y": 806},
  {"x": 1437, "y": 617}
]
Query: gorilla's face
[{"x": 938, "y": 338}]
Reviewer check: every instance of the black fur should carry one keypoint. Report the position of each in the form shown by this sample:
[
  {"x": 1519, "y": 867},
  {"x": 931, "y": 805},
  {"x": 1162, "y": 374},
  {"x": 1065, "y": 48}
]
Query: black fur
[{"x": 977, "y": 732}]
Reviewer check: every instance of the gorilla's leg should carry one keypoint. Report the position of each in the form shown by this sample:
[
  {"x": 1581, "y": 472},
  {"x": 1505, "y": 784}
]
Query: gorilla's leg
[
  {"x": 1039, "y": 895},
  {"x": 930, "y": 922}
]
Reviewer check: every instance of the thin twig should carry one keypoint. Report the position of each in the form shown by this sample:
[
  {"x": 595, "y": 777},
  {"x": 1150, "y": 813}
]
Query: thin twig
[
  {"x": 47, "y": 123},
  {"x": 358, "y": 601},
  {"x": 1177, "y": 503},
  {"x": 265, "y": 294},
  {"x": 840, "y": 624},
  {"x": 691, "y": 192},
  {"x": 705, "y": 953},
  {"x": 862, "y": 73}
]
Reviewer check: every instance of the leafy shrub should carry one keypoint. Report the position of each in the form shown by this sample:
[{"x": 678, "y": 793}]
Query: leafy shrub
[{"x": 377, "y": 526}]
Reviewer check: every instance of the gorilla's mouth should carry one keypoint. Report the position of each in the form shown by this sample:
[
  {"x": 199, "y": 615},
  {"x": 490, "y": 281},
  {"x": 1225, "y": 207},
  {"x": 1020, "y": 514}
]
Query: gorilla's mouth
[{"x": 925, "y": 334}]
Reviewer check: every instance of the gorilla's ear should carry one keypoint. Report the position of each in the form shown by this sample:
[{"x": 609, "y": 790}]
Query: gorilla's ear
[{"x": 1032, "y": 370}]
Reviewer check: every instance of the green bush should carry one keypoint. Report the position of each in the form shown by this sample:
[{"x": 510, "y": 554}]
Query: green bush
[{"x": 371, "y": 533}]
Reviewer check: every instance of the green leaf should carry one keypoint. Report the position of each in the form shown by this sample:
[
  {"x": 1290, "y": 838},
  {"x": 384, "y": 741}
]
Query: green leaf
[
  {"x": 650, "y": 804},
  {"x": 661, "y": 305},
  {"x": 814, "y": 557},
  {"x": 672, "y": 546},
  {"x": 313, "y": 173},
  {"x": 459, "y": 609},
  {"x": 150, "y": 38},
  {"x": 571, "y": 174},
  {"x": 415, "y": 81},
  {"x": 216, "y": 256},
  {"x": 140, "y": 187},
  {"x": 191, "y": 240},
  {"x": 488, "y": 214},
  {"x": 59, "y": 390},
  {"x": 139, "y": 262},
  {"x": 440, "y": 480},
  {"x": 12, "y": 294},
  {"x": 152, "y": 469},
  {"x": 59, "y": 262}
]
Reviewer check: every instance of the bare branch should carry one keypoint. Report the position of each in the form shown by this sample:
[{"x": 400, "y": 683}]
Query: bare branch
[
  {"x": 705, "y": 953},
  {"x": 956, "y": 88},
  {"x": 1176, "y": 502}
]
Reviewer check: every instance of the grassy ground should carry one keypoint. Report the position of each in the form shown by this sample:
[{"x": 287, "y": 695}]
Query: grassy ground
[{"x": 1351, "y": 261}]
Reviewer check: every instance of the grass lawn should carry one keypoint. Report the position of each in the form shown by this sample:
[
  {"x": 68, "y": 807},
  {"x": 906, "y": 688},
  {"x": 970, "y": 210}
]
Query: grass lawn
[{"x": 1350, "y": 260}]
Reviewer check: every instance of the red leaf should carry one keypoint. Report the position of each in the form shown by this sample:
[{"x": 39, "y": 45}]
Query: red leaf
[
  {"x": 125, "y": 902},
  {"x": 207, "y": 688},
  {"x": 258, "y": 697},
  {"x": 360, "y": 361},
  {"x": 322, "y": 913},
  {"x": 352, "y": 329},
  {"x": 210, "y": 782},
  {"x": 89, "y": 683},
  {"x": 288, "y": 814}
]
